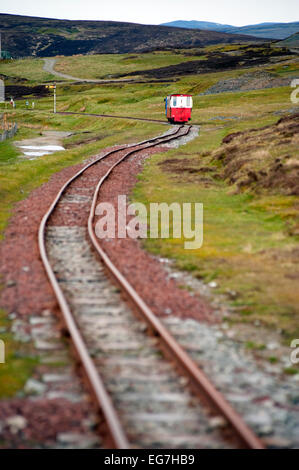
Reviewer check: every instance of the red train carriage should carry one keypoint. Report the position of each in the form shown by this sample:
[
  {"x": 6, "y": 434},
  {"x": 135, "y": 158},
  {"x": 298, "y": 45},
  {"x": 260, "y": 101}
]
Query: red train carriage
[{"x": 178, "y": 108}]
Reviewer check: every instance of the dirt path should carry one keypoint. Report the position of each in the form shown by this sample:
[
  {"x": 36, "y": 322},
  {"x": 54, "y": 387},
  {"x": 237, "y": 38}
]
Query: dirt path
[{"x": 49, "y": 67}]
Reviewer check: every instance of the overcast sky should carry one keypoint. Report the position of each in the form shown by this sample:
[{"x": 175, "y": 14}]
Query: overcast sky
[{"x": 235, "y": 12}]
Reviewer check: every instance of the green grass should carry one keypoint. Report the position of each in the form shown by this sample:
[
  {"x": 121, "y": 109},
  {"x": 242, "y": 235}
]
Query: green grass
[
  {"x": 146, "y": 100},
  {"x": 243, "y": 235},
  {"x": 105, "y": 66},
  {"x": 255, "y": 346},
  {"x": 291, "y": 371},
  {"x": 8, "y": 153},
  {"x": 30, "y": 69},
  {"x": 19, "y": 177},
  {"x": 19, "y": 362},
  {"x": 273, "y": 359}
]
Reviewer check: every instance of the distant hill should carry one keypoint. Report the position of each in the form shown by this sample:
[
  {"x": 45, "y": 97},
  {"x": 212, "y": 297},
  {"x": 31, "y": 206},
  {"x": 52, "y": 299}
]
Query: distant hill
[
  {"x": 41, "y": 37},
  {"x": 206, "y": 25},
  {"x": 262, "y": 30},
  {"x": 292, "y": 41}
]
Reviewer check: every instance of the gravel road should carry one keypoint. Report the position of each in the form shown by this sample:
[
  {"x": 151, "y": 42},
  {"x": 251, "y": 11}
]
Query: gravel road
[{"x": 49, "y": 67}]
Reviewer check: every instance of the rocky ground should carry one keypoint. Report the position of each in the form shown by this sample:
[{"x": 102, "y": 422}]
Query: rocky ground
[{"x": 243, "y": 152}]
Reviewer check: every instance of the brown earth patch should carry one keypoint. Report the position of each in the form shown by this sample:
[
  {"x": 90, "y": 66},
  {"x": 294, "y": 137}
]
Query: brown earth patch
[
  {"x": 44, "y": 419},
  {"x": 265, "y": 158},
  {"x": 219, "y": 61},
  {"x": 182, "y": 167},
  {"x": 20, "y": 91}
]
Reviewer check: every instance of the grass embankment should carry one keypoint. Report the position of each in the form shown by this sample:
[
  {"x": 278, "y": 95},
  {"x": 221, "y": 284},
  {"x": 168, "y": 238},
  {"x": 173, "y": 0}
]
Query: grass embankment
[
  {"x": 250, "y": 233},
  {"x": 19, "y": 361}
]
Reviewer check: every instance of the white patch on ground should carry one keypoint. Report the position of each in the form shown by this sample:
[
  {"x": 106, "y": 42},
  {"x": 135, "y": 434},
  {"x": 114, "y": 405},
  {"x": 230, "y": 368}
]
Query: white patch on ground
[
  {"x": 51, "y": 148},
  {"x": 48, "y": 143}
]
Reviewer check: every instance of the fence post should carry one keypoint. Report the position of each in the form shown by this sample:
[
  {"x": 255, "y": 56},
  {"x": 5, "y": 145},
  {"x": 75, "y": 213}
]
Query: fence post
[{"x": 9, "y": 130}]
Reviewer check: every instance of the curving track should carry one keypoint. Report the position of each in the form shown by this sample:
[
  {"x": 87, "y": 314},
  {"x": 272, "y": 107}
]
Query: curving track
[{"x": 121, "y": 360}]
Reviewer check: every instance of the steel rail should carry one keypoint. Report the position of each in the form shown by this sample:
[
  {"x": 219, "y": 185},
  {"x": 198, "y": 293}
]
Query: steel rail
[
  {"x": 201, "y": 123},
  {"x": 197, "y": 376},
  {"x": 113, "y": 116},
  {"x": 102, "y": 397}
]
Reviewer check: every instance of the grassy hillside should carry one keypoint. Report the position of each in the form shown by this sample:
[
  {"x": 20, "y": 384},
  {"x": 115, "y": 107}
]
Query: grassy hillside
[
  {"x": 25, "y": 36},
  {"x": 249, "y": 188},
  {"x": 107, "y": 66},
  {"x": 24, "y": 70},
  {"x": 262, "y": 30},
  {"x": 292, "y": 41},
  {"x": 165, "y": 65}
]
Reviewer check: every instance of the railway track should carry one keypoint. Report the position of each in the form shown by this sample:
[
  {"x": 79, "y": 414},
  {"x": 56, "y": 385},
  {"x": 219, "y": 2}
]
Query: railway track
[
  {"x": 114, "y": 116},
  {"x": 133, "y": 118},
  {"x": 149, "y": 390}
]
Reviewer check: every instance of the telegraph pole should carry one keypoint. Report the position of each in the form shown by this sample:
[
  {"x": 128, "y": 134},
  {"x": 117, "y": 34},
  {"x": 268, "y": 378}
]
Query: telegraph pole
[
  {"x": 54, "y": 95},
  {"x": 0, "y": 47}
]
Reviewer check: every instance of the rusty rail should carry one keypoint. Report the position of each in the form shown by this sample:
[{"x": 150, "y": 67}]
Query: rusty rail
[
  {"x": 102, "y": 397},
  {"x": 191, "y": 370},
  {"x": 186, "y": 364}
]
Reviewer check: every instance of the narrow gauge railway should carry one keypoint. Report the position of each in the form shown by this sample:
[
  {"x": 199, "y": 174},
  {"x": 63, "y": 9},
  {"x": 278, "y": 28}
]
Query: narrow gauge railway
[
  {"x": 160, "y": 121},
  {"x": 148, "y": 399},
  {"x": 113, "y": 116}
]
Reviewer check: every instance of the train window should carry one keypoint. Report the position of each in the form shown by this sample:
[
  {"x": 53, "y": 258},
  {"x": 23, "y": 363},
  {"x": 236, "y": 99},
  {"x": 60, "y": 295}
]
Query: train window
[
  {"x": 188, "y": 102},
  {"x": 174, "y": 101}
]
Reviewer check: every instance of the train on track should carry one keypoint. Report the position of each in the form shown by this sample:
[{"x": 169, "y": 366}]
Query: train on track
[{"x": 178, "y": 108}]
